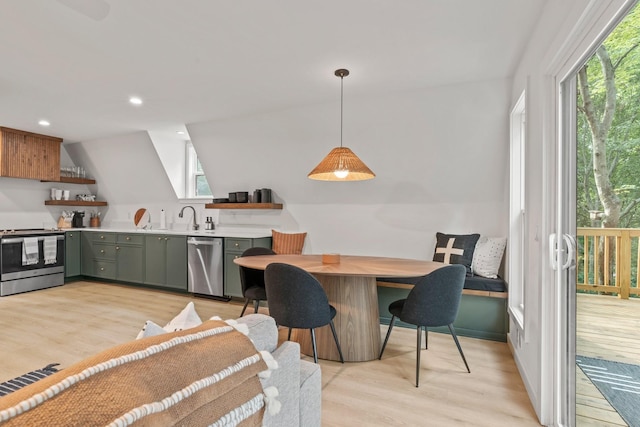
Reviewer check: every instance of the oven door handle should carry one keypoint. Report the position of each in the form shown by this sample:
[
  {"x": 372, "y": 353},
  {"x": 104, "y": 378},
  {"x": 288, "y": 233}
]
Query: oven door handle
[{"x": 5, "y": 241}]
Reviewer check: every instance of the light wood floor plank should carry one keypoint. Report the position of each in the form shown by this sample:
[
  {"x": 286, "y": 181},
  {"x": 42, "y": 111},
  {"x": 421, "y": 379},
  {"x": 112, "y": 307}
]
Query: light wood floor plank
[{"x": 68, "y": 323}]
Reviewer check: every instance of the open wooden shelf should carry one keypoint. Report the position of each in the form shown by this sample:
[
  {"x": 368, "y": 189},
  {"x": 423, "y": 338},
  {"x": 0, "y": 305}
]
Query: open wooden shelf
[
  {"x": 73, "y": 203},
  {"x": 243, "y": 206},
  {"x": 73, "y": 180}
]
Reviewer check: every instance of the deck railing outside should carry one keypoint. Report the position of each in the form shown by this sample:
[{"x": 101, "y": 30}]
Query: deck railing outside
[{"x": 608, "y": 260}]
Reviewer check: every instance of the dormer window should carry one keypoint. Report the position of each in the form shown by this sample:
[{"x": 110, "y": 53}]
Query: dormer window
[{"x": 196, "y": 181}]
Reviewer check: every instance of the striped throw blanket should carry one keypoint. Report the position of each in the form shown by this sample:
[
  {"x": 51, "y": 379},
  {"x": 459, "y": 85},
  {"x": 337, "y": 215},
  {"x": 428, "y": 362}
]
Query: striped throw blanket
[{"x": 202, "y": 376}]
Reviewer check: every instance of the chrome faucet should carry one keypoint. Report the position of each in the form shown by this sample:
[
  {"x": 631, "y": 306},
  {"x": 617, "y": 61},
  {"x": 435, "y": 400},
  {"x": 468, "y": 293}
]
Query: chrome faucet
[{"x": 196, "y": 226}]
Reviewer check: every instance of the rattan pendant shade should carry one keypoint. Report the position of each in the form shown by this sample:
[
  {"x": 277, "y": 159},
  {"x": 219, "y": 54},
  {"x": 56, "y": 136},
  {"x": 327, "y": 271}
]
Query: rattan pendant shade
[
  {"x": 341, "y": 159},
  {"x": 341, "y": 164}
]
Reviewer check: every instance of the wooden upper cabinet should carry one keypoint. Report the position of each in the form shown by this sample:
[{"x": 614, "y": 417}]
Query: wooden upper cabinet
[{"x": 29, "y": 155}]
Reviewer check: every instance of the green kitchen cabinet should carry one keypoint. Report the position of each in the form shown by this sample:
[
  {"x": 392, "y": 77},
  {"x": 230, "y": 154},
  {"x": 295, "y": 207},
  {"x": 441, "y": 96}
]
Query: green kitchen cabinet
[
  {"x": 233, "y": 248},
  {"x": 72, "y": 253},
  {"x": 86, "y": 254},
  {"x": 113, "y": 256},
  {"x": 99, "y": 255},
  {"x": 130, "y": 258},
  {"x": 166, "y": 261}
]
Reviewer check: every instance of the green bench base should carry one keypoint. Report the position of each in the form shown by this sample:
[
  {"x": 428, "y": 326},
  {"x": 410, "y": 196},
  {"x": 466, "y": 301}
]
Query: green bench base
[{"x": 480, "y": 315}]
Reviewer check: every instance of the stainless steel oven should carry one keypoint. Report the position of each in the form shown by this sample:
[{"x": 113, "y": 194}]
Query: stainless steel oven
[{"x": 45, "y": 265}]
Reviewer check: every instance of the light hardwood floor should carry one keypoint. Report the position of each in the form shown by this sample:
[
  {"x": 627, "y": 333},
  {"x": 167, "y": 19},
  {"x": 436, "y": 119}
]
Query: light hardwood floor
[{"x": 68, "y": 323}]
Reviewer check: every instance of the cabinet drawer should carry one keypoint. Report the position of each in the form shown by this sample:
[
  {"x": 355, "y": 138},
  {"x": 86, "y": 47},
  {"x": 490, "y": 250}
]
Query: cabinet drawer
[
  {"x": 105, "y": 269},
  {"x": 104, "y": 251},
  {"x": 134, "y": 239},
  {"x": 237, "y": 245},
  {"x": 104, "y": 237}
]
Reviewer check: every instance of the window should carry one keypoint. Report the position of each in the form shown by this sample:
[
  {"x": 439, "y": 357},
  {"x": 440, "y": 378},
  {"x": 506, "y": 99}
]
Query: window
[
  {"x": 197, "y": 185},
  {"x": 517, "y": 231}
]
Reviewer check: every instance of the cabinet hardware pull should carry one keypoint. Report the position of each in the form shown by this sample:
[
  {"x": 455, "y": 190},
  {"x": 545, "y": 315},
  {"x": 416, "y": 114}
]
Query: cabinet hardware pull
[
  {"x": 101, "y": 268},
  {"x": 128, "y": 238},
  {"x": 159, "y": 238},
  {"x": 237, "y": 244},
  {"x": 166, "y": 238},
  {"x": 117, "y": 248},
  {"x": 102, "y": 237},
  {"x": 101, "y": 251}
]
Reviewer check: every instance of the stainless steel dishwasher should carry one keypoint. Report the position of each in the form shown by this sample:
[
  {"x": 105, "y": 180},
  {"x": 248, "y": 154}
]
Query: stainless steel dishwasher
[{"x": 206, "y": 266}]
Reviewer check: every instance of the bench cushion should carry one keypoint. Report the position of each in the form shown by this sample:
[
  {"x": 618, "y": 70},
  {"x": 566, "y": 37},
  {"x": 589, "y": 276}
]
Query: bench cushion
[{"x": 475, "y": 283}]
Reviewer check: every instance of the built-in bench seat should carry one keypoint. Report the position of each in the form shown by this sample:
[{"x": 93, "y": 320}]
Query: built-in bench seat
[
  {"x": 473, "y": 285},
  {"x": 483, "y": 308}
]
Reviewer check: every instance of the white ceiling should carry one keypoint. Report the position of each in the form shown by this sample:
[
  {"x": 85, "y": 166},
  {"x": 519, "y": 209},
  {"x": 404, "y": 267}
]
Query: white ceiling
[{"x": 76, "y": 62}]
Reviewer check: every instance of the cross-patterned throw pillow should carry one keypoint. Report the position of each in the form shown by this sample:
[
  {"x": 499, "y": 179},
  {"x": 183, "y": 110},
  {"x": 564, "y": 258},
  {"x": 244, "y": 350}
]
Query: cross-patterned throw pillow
[{"x": 455, "y": 249}]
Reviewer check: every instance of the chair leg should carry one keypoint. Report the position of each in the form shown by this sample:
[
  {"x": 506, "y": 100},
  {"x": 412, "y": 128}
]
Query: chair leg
[
  {"x": 426, "y": 338},
  {"x": 245, "y": 307},
  {"x": 393, "y": 319},
  {"x": 455, "y": 338},
  {"x": 335, "y": 338},
  {"x": 419, "y": 345},
  {"x": 313, "y": 344},
  {"x": 256, "y": 304},
  {"x": 289, "y": 335}
]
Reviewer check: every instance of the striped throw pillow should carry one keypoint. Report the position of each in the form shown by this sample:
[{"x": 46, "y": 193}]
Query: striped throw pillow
[{"x": 287, "y": 243}]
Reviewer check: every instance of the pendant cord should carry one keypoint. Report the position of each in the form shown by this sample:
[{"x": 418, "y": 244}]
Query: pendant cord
[{"x": 341, "y": 102}]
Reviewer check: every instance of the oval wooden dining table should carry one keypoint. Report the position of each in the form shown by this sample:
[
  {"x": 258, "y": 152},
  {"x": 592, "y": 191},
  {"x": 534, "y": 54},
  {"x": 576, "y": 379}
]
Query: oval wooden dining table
[{"x": 351, "y": 288}]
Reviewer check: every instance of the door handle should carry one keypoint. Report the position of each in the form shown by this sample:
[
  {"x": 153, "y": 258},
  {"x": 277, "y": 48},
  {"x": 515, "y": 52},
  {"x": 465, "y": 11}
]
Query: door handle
[
  {"x": 555, "y": 252},
  {"x": 570, "y": 241}
]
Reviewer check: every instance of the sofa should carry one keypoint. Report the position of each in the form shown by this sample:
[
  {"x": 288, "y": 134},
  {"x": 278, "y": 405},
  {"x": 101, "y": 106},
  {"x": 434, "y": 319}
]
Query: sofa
[
  {"x": 217, "y": 373},
  {"x": 298, "y": 381}
]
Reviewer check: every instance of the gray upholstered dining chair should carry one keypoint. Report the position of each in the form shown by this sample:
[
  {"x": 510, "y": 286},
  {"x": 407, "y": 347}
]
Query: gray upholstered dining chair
[
  {"x": 297, "y": 300},
  {"x": 252, "y": 281},
  {"x": 434, "y": 301}
]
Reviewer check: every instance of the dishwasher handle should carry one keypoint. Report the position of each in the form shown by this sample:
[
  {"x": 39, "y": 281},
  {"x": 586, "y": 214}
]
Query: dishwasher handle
[{"x": 204, "y": 242}]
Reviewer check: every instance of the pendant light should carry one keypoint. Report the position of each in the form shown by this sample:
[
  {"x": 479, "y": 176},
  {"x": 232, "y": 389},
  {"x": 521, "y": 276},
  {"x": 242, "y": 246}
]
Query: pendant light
[{"x": 341, "y": 164}]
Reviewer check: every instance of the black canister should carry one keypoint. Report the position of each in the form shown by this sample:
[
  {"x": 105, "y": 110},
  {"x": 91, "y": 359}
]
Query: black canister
[
  {"x": 232, "y": 197},
  {"x": 257, "y": 196},
  {"x": 265, "y": 195}
]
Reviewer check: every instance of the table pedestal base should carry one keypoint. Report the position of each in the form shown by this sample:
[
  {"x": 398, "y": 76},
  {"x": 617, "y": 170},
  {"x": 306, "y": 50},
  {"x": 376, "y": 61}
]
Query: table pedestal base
[{"x": 357, "y": 321}]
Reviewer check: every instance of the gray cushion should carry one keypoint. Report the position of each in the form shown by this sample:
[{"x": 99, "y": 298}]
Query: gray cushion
[
  {"x": 287, "y": 380},
  {"x": 310, "y": 394},
  {"x": 262, "y": 331}
]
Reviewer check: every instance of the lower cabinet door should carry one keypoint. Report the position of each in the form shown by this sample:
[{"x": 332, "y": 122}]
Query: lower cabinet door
[
  {"x": 72, "y": 253},
  {"x": 232, "y": 285},
  {"x": 155, "y": 251},
  {"x": 176, "y": 262},
  {"x": 130, "y": 262}
]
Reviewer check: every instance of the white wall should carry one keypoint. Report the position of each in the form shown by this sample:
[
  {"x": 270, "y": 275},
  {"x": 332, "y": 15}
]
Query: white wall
[
  {"x": 440, "y": 155},
  {"x": 130, "y": 176}
]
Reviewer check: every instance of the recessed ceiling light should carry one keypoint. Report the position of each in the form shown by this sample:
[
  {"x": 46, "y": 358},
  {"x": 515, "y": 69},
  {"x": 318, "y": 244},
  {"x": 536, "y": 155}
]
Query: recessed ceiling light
[
  {"x": 179, "y": 132},
  {"x": 135, "y": 100},
  {"x": 44, "y": 123}
]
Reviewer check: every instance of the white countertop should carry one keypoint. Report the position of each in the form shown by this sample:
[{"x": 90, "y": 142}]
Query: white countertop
[{"x": 222, "y": 232}]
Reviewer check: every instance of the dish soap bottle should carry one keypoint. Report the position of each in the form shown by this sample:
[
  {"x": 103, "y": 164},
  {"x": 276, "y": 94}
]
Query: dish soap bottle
[{"x": 209, "y": 224}]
